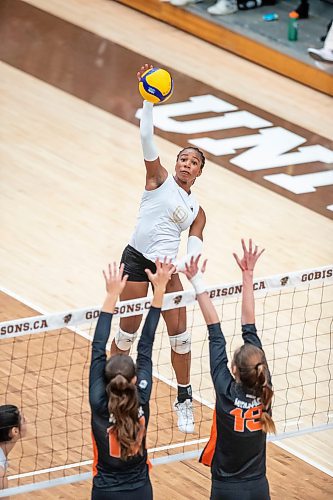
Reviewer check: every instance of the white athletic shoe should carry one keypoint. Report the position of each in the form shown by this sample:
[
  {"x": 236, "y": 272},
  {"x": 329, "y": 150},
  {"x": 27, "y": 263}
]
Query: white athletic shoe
[
  {"x": 185, "y": 416},
  {"x": 322, "y": 55},
  {"x": 223, "y": 7},
  {"x": 182, "y": 3}
]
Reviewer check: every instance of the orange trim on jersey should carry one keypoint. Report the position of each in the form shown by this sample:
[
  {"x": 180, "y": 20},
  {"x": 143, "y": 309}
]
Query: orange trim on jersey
[
  {"x": 150, "y": 465},
  {"x": 209, "y": 450},
  {"x": 95, "y": 451},
  {"x": 114, "y": 445}
]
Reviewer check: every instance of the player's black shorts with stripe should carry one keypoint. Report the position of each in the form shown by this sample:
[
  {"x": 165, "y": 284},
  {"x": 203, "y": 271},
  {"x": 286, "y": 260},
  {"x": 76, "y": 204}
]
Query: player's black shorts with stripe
[{"x": 135, "y": 264}]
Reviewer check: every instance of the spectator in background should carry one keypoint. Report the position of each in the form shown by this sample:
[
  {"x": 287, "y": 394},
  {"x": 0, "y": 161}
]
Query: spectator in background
[
  {"x": 224, "y": 7},
  {"x": 303, "y": 9},
  {"x": 182, "y": 3},
  {"x": 325, "y": 54}
]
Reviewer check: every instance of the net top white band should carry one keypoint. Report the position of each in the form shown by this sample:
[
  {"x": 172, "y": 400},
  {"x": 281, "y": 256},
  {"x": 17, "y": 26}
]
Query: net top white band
[{"x": 71, "y": 318}]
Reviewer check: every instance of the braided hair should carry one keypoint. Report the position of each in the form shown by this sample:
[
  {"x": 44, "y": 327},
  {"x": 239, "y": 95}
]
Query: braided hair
[{"x": 200, "y": 153}]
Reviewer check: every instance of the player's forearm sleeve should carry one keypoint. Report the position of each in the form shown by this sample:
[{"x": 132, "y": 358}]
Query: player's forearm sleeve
[
  {"x": 149, "y": 149},
  {"x": 219, "y": 370},
  {"x": 102, "y": 333},
  {"x": 194, "y": 247},
  {"x": 249, "y": 334},
  {"x": 144, "y": 365}
]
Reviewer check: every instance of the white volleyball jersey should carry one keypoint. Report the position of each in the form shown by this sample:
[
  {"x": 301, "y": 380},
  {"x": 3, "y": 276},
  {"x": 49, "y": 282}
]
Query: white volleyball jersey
[
  {"x": 164, "y": 213},
  {"x": 3, "y": 460}
]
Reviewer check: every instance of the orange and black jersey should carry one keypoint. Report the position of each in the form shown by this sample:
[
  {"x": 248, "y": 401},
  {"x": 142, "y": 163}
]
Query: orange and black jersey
[
  {"x": 111, "y": 473},
  {"x": 236, "y": 450}
]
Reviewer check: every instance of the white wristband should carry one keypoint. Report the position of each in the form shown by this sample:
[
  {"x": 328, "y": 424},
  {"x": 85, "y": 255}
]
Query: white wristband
[
  {"x": 198, "y": 283},
  {"x": 194, "y": 247}
]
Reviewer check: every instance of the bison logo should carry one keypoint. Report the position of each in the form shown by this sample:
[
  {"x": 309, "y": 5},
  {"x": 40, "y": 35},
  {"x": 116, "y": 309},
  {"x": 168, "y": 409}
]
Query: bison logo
[
  {"x": 284, "y": 280},
  {"x": 67, "y": 318},
  {"x": 177, "y": 300}
]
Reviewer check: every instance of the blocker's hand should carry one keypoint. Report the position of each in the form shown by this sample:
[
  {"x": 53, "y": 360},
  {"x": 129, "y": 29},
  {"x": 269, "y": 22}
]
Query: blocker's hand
[
  {"x": 164, "y": 271},
  {"x": 250, "y": 256},
  {"x": 192, "y": 269},
  {"x": 115, "y": 282}
]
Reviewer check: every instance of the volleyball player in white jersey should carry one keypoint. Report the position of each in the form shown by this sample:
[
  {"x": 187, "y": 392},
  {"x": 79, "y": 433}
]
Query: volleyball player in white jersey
[{"x": 167, "y": 208}]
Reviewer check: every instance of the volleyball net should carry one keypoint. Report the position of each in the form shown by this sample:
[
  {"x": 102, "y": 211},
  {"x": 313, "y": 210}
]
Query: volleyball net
[{"x": 44, "y": 369}]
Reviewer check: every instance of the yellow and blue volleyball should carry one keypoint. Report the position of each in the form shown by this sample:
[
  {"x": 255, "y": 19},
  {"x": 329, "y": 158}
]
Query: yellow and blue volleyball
[{"x": 156, "y": 85}]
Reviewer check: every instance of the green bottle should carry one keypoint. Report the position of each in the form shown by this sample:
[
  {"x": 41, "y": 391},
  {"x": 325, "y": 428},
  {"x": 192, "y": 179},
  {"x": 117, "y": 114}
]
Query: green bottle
[{"x": 293, "y": 26}]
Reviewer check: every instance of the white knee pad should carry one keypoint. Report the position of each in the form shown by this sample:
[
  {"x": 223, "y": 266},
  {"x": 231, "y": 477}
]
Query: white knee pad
[
  {"x": 124, "y": 340},
  {"x": 181, "y": 343}
]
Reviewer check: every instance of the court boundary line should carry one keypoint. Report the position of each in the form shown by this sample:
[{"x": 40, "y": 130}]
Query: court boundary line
[{"x": 305, "y": 459}]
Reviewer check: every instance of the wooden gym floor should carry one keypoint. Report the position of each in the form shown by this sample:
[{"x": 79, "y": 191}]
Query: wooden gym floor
[{"x": 72, "y": 173}]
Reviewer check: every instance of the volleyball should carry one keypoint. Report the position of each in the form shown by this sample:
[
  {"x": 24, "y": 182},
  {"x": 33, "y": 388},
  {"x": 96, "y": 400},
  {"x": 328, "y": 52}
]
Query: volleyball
[{"x": 156, "y": 85}]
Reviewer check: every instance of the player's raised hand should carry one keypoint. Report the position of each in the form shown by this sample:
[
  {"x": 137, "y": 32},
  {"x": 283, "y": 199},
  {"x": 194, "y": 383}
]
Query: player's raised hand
[
  {"x": 115, "y": 280},
  {"x": 250, "y": 256},
  {"x": 143, "y": 69},
  {"x": 192, "y": 268},
  {"x": 159, "y": 279}
]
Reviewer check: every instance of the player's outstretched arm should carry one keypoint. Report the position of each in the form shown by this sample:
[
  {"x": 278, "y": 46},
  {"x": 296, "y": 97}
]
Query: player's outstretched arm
[
  {"x": 155, "y": 172},
  {"x": 197, "y": 228},
  {"x": 218, "y": 359},
  {"x": 247, "y": 264},
  {"x": 194, "y": 242},
  {"x": 160, "y": 279},
  {"x": 144, "y": 364},
  {"x": 195, "y": 277},
  {"x": 115, "y": 283}
]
